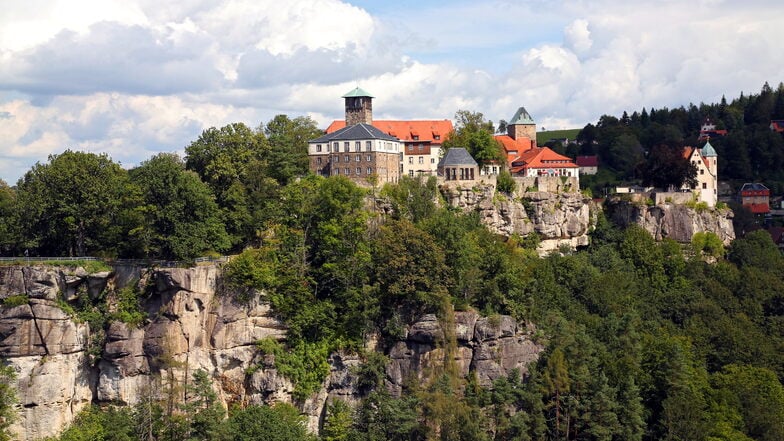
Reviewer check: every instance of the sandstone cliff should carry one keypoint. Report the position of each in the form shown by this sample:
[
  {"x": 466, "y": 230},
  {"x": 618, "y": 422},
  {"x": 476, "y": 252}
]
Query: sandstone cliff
[
  {"x": 675, "y": 221},
  {"x": 62, "y": 365},
  {"x": 558, "y": 218}
]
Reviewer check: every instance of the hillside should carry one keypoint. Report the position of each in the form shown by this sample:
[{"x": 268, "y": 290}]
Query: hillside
[{"x": 546, "y": 135}]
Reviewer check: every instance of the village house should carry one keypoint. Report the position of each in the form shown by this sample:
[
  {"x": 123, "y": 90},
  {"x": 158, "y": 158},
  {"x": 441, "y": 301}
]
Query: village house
[
  {"x": 525, "y": 158},
  {"x": 705, "y": 160},
  {"x": 708, "y": 131},
  {"x": 755, "y": 197},
  {"x": 589, "y": 165}
]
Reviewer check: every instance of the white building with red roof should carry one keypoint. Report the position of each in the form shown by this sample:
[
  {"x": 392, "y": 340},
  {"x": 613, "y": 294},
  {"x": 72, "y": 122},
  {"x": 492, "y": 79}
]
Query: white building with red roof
[{"x": 421, "y": 141}]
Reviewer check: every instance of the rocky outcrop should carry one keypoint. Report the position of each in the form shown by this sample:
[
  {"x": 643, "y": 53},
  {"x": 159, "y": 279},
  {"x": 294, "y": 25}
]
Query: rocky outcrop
[
  {"x": 674, "y": 221},
  {"x": 62, "y": 365},
  {"x": 558, "y": 218},
  {"x": 490, "y": 347}
]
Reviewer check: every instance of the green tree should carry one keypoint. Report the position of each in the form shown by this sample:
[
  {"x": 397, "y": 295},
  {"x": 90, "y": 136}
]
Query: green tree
[
  {"x": 223, "y": 158},
  {"x": 7, "y": 400},
  {"x": 8, "y": 234},
  {"x": 505, "y": 183},
  {"x": 288, "y": 146},
  {"x": 337, "y": 426},
  {"x": 74, "y": 204},
  {"x": 181, "y": 218},
  {"x": 666, "y": 166},
  {"x": 475, "y": 134},
  {"x": 281, "y": 422}
]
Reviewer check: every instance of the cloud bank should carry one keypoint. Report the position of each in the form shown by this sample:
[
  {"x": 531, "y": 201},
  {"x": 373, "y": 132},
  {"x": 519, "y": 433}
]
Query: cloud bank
[{"x": 134, "y": 78}]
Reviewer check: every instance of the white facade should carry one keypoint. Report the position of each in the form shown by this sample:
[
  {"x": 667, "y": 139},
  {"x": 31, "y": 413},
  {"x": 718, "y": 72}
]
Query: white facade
[
  {"x": 417, "y": 162},
  {"x": 707, "y": 176}
]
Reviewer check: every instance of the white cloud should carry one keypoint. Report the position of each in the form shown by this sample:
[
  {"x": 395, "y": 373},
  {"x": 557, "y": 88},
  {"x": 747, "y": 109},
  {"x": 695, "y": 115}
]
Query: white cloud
[{"x": 133, "y": 78}]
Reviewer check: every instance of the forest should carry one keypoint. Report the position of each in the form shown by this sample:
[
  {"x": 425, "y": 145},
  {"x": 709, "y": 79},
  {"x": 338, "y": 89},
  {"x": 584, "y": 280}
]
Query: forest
[
  {"x": 750, "y": 152},
  {"x": 644, "y": 340}
]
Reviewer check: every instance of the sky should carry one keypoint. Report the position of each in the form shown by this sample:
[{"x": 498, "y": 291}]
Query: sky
[{"x": 132, "y": 78}]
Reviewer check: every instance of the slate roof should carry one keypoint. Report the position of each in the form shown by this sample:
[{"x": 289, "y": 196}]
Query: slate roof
[
  {"x": 753, "y": 186},
  {"x": 521, "y": 117},
  {"x": 357, "y": 92},
  {"x": 355, "y": 132},
  {"x": 456, "y": 156}
]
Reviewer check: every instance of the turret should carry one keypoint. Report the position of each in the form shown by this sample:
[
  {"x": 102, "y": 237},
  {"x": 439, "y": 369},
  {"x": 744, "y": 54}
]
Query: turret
[{"x": 359, "y": 107}]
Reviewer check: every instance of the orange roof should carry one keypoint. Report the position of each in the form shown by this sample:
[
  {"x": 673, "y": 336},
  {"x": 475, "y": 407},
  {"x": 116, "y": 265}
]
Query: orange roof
[
  {"x": 514, "y": 147},
  {"x": 542, "y": 157},
  {"x": 425, "y": 130}
]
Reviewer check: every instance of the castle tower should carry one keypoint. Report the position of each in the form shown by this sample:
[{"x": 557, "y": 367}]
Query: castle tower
[
  {"x": 359, "y": 107},
  {"x": 709, "y": 153},
  {"x": 521, "y": 125}
]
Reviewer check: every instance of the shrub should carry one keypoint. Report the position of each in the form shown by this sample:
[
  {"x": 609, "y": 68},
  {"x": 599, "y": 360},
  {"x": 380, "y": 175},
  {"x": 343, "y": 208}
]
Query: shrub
[
  {"x": 305, "y": 364},
  {"x": 505, "y": 183}
]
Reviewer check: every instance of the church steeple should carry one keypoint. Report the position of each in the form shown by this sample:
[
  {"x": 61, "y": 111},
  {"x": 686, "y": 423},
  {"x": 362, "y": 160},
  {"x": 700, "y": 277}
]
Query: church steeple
[{"x": 359, "y": 107}]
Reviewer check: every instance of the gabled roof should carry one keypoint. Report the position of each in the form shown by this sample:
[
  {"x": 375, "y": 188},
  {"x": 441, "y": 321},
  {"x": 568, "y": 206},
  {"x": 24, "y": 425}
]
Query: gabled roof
[
  {"x": 689, "y": 151},
  {"x": 426, "y": 130},
  {"x": 541, "y": 157},
  {"x": 588, "y": 161},
  {"x": 355, "y": 132},
  {"x": 357, "y": 92},
  {"x": 521, "y": 117},
  {"x": 456, "y": 156}
]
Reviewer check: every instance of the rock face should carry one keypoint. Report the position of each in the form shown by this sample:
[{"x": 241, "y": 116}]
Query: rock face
[
  {"x": 490, "y": 347},
  {"x": 675, "y": 221},
  {"x": 191, "y": 326},
  {"x": 558, "y": 218}
]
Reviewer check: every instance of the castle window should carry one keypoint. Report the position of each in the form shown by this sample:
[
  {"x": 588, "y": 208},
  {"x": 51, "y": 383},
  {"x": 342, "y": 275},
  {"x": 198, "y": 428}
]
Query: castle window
[
  {"x": 411, "y": 173},
  {"x": 416, "y": 138},
  {"x": 347, "y": 170},
  {"x": 421, "y": 147},
  {"x": 704, "y": 185},
  {"x": 421, "y": 160},
  {"x": 369, "y": 170},
  {"x": 336, "y": 146},
  {"x": 318, "y": 147},
  {"x": 436, "y": 137},
  {"x": 347, "y": 158},
  {"x": 410, "y": 159},
  {"x": 702, "y": 171},
  {"x": 432, "y": 160},
  {"x": 369, "y": 158},
  {"x": 358, "y": 158},
  {"x": 318, "y": 160},
  {"x": 368, "y": 145},
  {"x": 357, "y": 146},
  {"x": 359, "y": 170},
  {"x": 345, "y": 146}
]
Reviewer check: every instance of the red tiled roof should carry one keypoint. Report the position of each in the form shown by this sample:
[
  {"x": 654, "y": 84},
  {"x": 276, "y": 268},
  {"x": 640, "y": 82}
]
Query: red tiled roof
[
  {"x": 542, "y": 157},
  {"x": 425, "y": 130},
  {"x": 515, "y": 147},
  {"x": 588, "y": 161}
]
